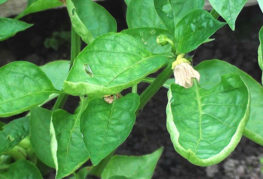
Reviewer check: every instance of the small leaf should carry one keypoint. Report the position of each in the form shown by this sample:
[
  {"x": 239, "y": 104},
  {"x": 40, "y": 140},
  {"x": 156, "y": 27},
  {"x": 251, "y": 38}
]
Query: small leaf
[
  {"x": 141, "y": 13},
  {"x": 22, "y": 169},
  {"x": 148, "y": 37},
  {"x": 57, "y": 72},
  {"x": 39, "y": 5},
  {"x": 72, "y": 152},
  {"x": 194, "y": 29},
  {"x": 206, "y": 124},
  {"x": 13, "y": 133},
  {"x": 42, "y": 136},
  {"x": 212, "y": 70},
  {"x": 131, "y": 167},
  {"x": 2, "y": 1},
  {"x": 10, "y": 27},
  {"x": 89, "y": 19},
  {"x": 172, "y": 11},
  {"x": 22, "y": 86},
  {"x": 228, "y": 9},
  {"x": 260, "y": 52},
  {"x": 116, "y": 61},
  {"x": 105, "y": 126}
]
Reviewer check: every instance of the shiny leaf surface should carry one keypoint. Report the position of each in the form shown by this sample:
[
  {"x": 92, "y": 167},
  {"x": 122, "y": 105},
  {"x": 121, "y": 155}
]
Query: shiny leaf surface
[
  {"x": 110, "y": 64},
  {"x": 10, "y": 27},
  {"x": 89, "y": 19},
  {"x": 130, "y": 167},
  {"x": 194, "y": 29},
  {"x": 106, "y": 126},
  {"x": 228, "y": 9},
  {"x": 22, "y": 86},
  {"x": 206, "y": 124}
]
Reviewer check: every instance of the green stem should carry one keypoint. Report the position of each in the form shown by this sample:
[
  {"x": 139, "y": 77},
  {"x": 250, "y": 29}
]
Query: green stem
[
  {"x": 155, "y": 86},
  {"x": 214, "y": 14},
  {"x": 75, "y": 49},
  {"x": 135, "y": 89}
]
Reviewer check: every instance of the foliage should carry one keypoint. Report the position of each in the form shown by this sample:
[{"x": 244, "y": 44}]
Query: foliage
[{"x": 205, "y": 119}]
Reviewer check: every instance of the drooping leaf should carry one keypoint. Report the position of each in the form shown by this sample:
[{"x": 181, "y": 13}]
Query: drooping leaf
[
  {"x": 13, "y": 133},
  {"x": 72, "y": 152},
  {"x": 42, "y": 136},
  {"x": 206, "y": 124},
  {"x": 228, "y": 9},
  {"x": 89, "y": 19},
  {"x": 260, "y": 3},
  {"x": 39, "y": 5},
  {"x": 195, "y": 29},
  {"x": 57, "y": 72},
  {"x": 10, "y": 27},
  {"x": 106, "y": 126},
  {"x": 110, "y": 64},
  {"x": 2, "y": 1},
  {"x": 141, "y": 13},
  {"x": 22, "y": 86},
  {"x": 148, "y": 37},
  {"x": 22, "y": 169},
  {"x": 212, "y": 70},
  {"x": 260, "y": 52},
  {"x": 172, "y": 11},
  {"x": 131, "y": 167}
]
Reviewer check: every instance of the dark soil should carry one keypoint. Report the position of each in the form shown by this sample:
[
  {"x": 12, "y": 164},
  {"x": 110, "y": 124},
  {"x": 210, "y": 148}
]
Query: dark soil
[{"x": 149, "y": 133}]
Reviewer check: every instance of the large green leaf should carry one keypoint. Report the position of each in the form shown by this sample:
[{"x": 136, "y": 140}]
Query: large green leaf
[
  {"x": 148, "y": 37},
  {"x": 228, "y": 9},
  {"x": 260, "y": 52},
  {"x": 110, "y": 64},
  {"x": 13, "y": 133},
  {"x": 212, "y": 70},
  {"x": 72, "y": 152},
  {"x": 22, "y": 86},
  {"x": 194, "y": 29},
  {"x": 172, "y": 11},
  {"x": 57, "y": 72},
  {"x": 42, "y": 136},
  {"x": 39, "y": 5},
  {"x": 9, "y": 27},
  {"x": 106, "y": 126},
  {"x": 89, "y": 19},
  {"x": 141, "y": 13},
  {"x": 22, "y": 169},
  {"x": 131, "y": 167},
  {"x": 260, "y": 3},
  {"x": 206, "y": 124}
]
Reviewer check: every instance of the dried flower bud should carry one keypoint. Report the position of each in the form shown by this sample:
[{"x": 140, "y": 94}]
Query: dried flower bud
[{"x": 184, "y": 72}]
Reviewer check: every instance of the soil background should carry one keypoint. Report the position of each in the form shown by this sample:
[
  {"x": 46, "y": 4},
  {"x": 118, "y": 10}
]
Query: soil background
[{"x": 49, "y": 40}]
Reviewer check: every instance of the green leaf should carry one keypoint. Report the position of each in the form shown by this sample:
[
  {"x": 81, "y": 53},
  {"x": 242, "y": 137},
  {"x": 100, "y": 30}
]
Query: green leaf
[
  {"x": 228, "y": 9},
  {"x": 127, "y": 2},
  {"x": 110, "y": 64},
  {"x": 13, "y": 133},
  {"x": 22, "y": 86},
  {"x": 141, "y": 13},
  {"x": 172, "y": 11},
  {"x": 260, "y": 3},
  {"x": 39, "y": 5},
  {"x": 131, "y": 167},
  {"x": 42, "y": 136},
  {"x": 106, "y": 126},
  {"x": 206, "y": 124},
  {"x": 22, "y": 169},
  {"x": 10, "y": 27},
  {"x": 57, "y": 72},
  {"x": 148, "y": 37},
  {"x": 210, "y": 73},
  {"x": 194, "y": 29},
  {"x": 260, "y": 51},
  {"x": 72, "y": 152},
  {"x": 89, "y": 19},
  {"x": 2, "y": 1}
]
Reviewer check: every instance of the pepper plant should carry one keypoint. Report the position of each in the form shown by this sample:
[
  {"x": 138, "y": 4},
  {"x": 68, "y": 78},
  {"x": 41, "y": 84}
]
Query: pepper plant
[{"x": 210, "y": 106}]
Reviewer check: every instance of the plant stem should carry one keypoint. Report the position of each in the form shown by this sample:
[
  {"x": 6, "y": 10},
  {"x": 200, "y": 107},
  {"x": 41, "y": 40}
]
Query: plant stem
[
  {"x": 155, "y": 86},
  {"x": 135, "y": 89},
  {"x": 75, "y": 49},
  {"x": 214, "y": 14}
]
